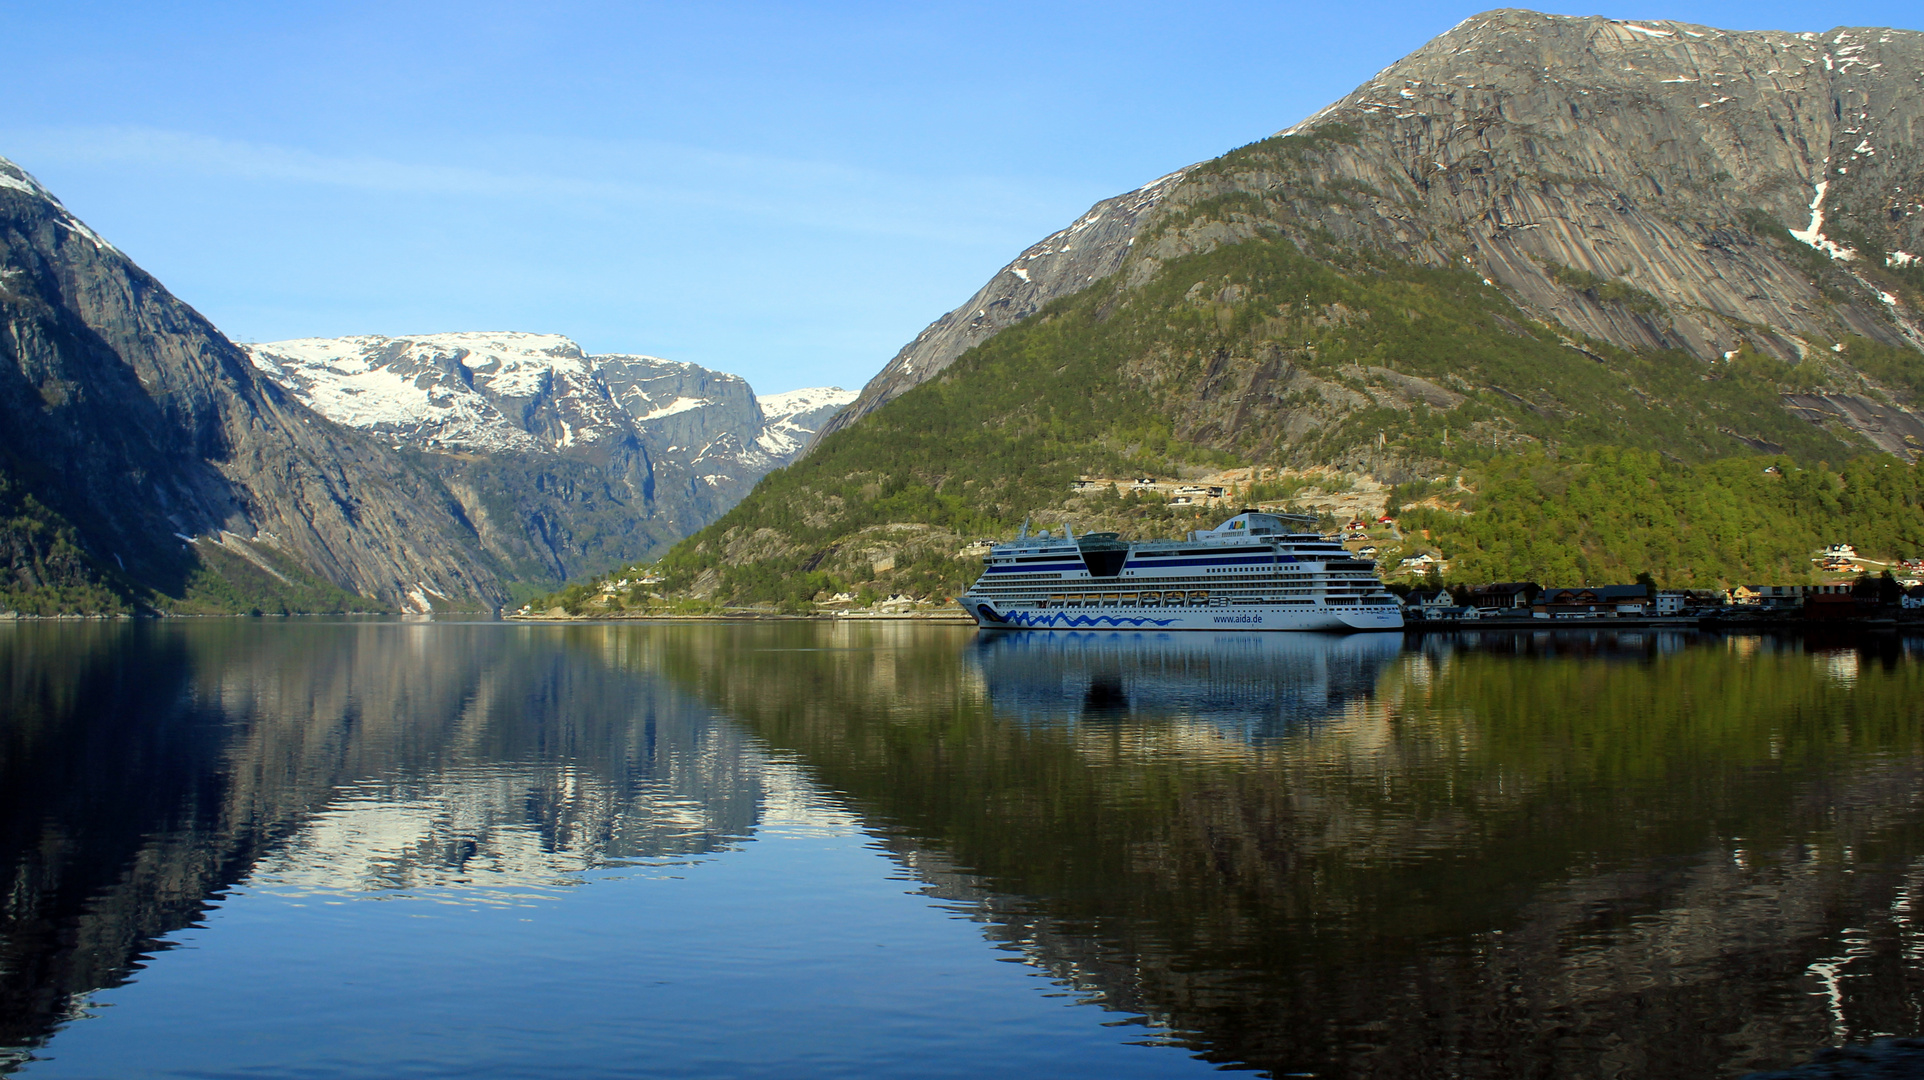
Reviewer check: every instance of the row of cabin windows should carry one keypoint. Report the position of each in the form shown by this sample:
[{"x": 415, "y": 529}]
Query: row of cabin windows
[
  {"x": 1297, "y": 585},
  {"x": 1253, "y": 588},
  {"x": 1229, "y": 580},
  {"x": 1198, "y": 598},
  {"x": 1173, "y": 598}
]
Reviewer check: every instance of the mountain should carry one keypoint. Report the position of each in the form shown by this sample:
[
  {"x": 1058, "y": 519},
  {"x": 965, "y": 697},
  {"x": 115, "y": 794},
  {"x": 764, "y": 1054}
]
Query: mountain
[
  {"x": 145, "y": 463},
  {"x": 148, "y": 463},
  {"x": 1091, "y": 248},
  {"x": 1535, "y": 235},
  {"x": 1656, "y": 186},
  {"x": 490, "y": 392},
  {"x": 566, "y": 462},
  {"x": 792, "y": 419}
]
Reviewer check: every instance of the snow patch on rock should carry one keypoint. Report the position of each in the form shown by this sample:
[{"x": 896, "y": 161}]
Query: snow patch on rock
[
  {"x": 1814, "y": 235},
  {"x": 792, "y": 418},
  {"x": 15, "y": 178},
  {"x": 509, "y": 392}
]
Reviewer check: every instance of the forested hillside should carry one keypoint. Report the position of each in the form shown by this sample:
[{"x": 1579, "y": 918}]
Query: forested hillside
[
  {"x": 1609, "y": 515},
  {"x": 1387, "y": 367},
  {"x": 1537, "y": 242}
]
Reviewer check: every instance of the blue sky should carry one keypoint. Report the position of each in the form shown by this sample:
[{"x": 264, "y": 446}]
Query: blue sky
[{"x": 787, "y": 191}]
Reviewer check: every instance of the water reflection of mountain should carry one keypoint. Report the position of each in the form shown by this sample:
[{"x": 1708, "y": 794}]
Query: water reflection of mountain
[
  {"x": 1578, "y": 856},
  {"x": 1492, "y": 856},
  {"x": 1257, "y": 686},
  {"x": 144, "y": 769}
]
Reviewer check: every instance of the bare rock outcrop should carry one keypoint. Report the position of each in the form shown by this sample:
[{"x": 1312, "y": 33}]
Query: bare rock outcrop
[
  {"x": 1651, "y": 185},
  {"x": 129, "y": 414}
]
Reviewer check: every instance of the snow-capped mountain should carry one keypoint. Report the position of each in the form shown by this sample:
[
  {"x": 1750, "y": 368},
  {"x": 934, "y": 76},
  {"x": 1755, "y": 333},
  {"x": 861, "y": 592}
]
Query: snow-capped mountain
[
  {"x": 791, "y": 419},
  {"x": 595, "y": 460},
  {"x": 541, "y": 393},
  {"x": 139, "y": 452}
]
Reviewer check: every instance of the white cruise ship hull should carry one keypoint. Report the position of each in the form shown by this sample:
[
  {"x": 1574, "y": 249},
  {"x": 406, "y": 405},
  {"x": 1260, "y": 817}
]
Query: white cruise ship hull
[
  {"x": 1318, "y": 618},
  {"x": 1249, "y": 573}
]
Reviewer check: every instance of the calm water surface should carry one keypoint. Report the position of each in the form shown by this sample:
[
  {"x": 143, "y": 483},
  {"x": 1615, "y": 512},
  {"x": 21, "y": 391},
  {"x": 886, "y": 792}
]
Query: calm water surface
[{"x": 248, "y": 848}]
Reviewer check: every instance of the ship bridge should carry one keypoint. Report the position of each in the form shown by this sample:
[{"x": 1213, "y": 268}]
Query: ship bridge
[{"x": 1255, "y": 523}]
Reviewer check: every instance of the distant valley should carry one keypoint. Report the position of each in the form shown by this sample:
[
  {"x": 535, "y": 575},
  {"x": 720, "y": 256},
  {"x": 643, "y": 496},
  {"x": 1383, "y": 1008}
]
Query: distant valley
[
  {"x": 564, "y": 460},
  {"x": 148, "y": 464}
]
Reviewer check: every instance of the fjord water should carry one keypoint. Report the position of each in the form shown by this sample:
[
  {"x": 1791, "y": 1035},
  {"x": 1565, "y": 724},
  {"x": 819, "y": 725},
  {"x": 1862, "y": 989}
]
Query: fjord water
[{"x": 364, "y": 848}]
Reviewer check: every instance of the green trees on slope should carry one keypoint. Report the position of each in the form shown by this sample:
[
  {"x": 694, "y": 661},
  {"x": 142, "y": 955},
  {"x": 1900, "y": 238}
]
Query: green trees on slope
[
  {"x": 1266, "y": 353},
  {"x": 1612, "y": 513}
]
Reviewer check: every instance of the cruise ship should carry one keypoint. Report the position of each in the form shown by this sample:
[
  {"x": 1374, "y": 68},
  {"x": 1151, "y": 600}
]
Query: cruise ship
[{"x": 1253, "y": 572}]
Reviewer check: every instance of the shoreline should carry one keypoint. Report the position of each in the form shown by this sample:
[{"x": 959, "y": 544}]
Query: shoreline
[
  {"x": 1678, "y": 622},
  {"x": 956, "y": 618},
  {"x": 959, "y": 618}
]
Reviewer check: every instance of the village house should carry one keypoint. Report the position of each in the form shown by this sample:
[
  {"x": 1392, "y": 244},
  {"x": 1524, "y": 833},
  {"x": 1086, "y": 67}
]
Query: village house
[
  {"x": 1435, "y": 604},
  {"x": 1863, "y": 597},
  {"x": 1504, "y": 597},
  {"x": 1784, "y": 597},
  {"x": 1593, "y": 602}
]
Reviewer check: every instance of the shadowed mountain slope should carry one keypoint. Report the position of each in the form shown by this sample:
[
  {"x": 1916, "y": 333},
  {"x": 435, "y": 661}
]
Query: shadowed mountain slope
[
  {"x": 148, "y": 463},
  {"x": 145, "y": 461}
]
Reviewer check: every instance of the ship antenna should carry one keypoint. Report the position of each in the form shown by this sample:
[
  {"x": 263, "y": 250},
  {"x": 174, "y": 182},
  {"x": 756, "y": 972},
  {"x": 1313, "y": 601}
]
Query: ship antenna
[
  {"x": 1024, "y": 534},
  {"x": 1068, "y": 530}
]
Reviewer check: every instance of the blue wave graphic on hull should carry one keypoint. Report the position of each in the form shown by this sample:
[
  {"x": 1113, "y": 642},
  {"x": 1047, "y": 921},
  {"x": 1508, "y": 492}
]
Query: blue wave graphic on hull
[{"x": 1026, "y": 619}]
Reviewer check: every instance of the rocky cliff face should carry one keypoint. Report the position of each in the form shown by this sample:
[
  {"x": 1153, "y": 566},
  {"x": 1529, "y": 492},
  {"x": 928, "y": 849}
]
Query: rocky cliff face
[
  {"x": 126, "y": 417},
  {"x": 565, "y": 462},
  {"x": 1655, "y": 186},
  {"x": 1090, "y": 249}
]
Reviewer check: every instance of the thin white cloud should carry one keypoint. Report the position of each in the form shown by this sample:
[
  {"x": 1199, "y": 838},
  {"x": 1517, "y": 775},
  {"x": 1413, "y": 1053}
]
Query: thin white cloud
[{"x": 964, "y": 210}]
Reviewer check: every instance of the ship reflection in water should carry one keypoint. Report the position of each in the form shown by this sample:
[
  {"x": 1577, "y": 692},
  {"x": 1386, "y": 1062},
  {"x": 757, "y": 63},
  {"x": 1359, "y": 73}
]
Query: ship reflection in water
[
  {"x": 1255, "y": 686},
  {"x": 384, "y": 849}
]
